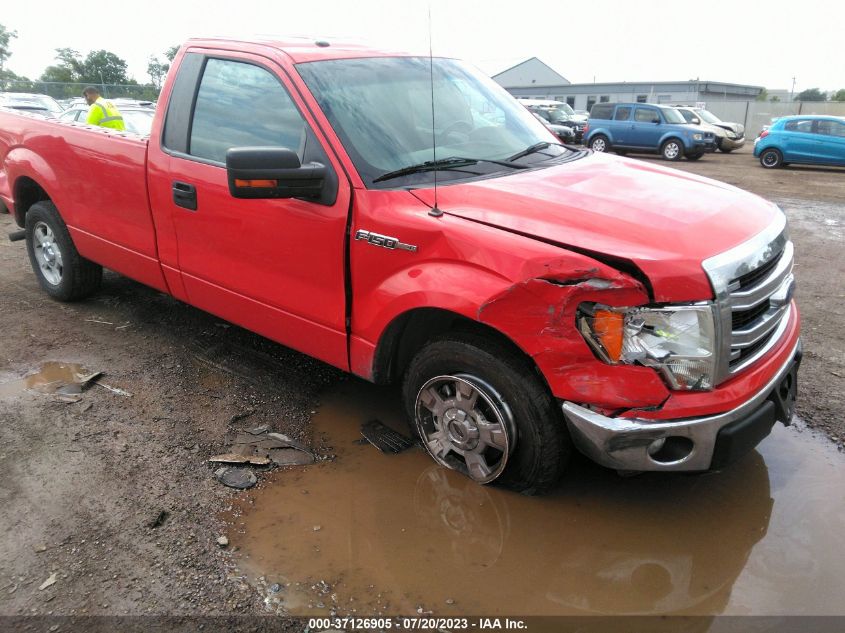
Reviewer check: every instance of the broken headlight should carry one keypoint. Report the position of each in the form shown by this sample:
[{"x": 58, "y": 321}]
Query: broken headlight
[{"x": 678, "y": 341}]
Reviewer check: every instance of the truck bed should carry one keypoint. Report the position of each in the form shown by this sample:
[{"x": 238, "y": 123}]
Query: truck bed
[{"x": 85, "y": 170}]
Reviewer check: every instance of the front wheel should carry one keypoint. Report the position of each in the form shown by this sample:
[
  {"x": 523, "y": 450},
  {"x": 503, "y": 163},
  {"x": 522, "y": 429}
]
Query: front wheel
[
  {"x": 479, "y": 408},
  {"x": 672, "y": 149},
  {"x": 599, "y": 143},
  {"x": 771, "y": 158},
  {"x": 62, "y": 272}
]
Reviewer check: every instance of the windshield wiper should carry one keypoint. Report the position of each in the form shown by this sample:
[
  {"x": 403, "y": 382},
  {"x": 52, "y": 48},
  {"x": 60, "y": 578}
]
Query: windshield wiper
[
  {"x": 533, "y": 149},
  {"x": 453, "y": 162}
]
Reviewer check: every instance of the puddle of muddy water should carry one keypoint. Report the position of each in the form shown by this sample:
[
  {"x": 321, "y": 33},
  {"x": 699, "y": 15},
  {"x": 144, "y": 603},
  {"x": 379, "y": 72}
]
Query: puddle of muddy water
[
  {"x": 390, "y": 533},
  {"x": 52, "y": 377}
]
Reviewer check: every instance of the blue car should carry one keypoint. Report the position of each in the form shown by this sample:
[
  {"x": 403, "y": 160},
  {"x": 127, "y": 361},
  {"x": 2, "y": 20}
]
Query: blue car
[
  {"x": 811, "y": 140},
  {"x": 645, "y": 127}
]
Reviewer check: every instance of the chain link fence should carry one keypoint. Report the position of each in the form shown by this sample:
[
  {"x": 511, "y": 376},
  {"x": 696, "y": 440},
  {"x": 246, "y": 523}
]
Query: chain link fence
[{"x": 60, "y": 91}]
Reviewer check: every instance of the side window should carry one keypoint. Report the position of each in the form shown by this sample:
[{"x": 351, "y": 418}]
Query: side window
[
  {"x": 622, "y": 114},
  {"x": 831, "y": 128},
  {"x": 601, "y": 112},
  {"x": 242, "y": 105},
  {"x": 646, "y": 115},
  {"x": 687, "y": 114},
  {"x": 802, "y": 125}
]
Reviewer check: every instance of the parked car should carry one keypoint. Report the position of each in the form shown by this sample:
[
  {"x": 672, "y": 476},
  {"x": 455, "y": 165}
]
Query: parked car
[
  {"x": 558, "y": 113},
  {"x": 135, "y": 119},
  {"x": 42, "y": 105},
  {"x": 564, "y": 133},
  {"x": 529, "y": 298},
  {"x": 737, "y": 129},
  {"x": 640, "y": 127},
  {"x": 726, "y": 139},
  {"x": 809, "y": 140}
]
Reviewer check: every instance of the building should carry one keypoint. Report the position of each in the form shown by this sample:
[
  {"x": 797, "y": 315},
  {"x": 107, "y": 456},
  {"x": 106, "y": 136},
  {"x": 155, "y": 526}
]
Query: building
[{"x": 532, "y": 78}]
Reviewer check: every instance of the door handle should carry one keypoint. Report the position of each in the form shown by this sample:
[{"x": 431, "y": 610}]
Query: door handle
[{"x": 185, "y": 195}]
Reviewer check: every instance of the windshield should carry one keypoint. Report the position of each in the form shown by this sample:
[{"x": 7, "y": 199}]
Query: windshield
[
  {"x": 381, "y": 108},
  {"x": 31, "y": 101},
  {"x": 138, "y": 121},
  {"x": 673, "y": 116},
  {"x": 708, "y": 116}
]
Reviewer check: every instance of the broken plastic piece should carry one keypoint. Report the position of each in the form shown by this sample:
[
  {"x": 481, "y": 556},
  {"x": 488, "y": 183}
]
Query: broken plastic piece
[
  {"x": 240, "y": 478},
  {"x": 291, "y": 457},
  {"x": 384, "y": 438},
  {"x": 235, "y": 458}
]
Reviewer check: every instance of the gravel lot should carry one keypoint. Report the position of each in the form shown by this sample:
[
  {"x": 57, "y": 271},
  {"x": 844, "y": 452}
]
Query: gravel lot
[{"x": 113, "y": 494}]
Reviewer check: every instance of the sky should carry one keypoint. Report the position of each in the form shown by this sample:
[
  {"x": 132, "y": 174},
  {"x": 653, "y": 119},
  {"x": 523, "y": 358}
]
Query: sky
[{"x": 740, "y": 41}]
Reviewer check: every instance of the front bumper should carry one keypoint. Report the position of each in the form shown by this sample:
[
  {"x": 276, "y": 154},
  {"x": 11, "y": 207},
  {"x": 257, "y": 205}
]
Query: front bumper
[
  {"x": 704, "y": 146},
  {"x": 691, "y": 444},
  {"x": 732, "y": 143}
]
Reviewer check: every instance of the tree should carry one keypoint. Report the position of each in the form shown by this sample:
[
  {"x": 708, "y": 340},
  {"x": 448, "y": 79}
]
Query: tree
[
  {"x": 774, "y": 99},
  {"x": 811, "y": 94},
  {"x": 157, "y": 71},
  {"x": 763, "y": 96},
  {"x": 69, "y": 69},
  {"x": 104, "y": 67},
  {"x": 6, "y": 37},
  {"x": 839, "y": 95},
  {"x": 170, "y": 53}
]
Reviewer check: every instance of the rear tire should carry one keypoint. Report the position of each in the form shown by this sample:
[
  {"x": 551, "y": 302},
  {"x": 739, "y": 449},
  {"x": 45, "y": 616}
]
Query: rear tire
[
  {"x": 480, "y": 408},
  {"x": 62, "y": 272},
  {"x": 771, "y": 158},
  {"x": 600, "y": 143},
  {"x": 672, "y": 149}
]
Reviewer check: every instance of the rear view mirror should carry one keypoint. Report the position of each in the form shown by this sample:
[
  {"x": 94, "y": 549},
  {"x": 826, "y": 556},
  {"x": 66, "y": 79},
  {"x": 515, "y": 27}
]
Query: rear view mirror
[{"x": 272, "y": 172}]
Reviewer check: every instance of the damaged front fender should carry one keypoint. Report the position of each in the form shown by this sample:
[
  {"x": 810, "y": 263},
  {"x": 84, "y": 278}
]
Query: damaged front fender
[{"x": 540, "y": 315}]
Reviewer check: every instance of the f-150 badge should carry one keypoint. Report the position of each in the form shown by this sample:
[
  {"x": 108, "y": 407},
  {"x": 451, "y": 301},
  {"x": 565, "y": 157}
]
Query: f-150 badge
[{"x": 391, "y": 243}]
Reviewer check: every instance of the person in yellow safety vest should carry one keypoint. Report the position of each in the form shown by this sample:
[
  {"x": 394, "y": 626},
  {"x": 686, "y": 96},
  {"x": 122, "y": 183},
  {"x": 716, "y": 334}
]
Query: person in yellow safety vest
[{"x": 102, "y": 112}]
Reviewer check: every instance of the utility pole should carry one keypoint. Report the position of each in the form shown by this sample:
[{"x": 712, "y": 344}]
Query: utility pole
[{"x": 792, "y": 92}]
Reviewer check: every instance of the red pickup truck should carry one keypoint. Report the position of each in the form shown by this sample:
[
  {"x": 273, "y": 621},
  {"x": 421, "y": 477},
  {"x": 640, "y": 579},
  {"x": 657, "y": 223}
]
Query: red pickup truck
[{"x": 404, "y": 219}]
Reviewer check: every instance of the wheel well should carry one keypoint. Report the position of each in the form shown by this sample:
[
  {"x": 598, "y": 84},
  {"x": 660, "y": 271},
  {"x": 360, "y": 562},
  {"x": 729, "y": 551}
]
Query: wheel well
[
  {"x": 27, "y": 193},
  {"x": 410, "y": 331}
]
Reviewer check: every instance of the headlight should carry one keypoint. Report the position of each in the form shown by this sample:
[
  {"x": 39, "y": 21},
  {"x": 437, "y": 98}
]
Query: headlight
[
  {"x": 730, "y": 134},
  {"x": 697, "y": 137},
  {"x": 678, "y": 341}
]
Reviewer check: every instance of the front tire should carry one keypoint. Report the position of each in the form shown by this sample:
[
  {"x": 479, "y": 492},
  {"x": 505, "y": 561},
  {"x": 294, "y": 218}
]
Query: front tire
[
  {"x": 479, "y": 408},
  {"x": 599, "y": 143},
  {"x": 62, "y": 272},
  {"x": 672, "y": 149},
  {"x": 771, "y": 158}
]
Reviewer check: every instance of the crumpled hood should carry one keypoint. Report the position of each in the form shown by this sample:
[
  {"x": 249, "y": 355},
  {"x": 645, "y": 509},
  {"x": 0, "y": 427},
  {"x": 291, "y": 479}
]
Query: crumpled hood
[
  {"x": 736, "y": 128},
  {"x": 663, "y": 220}
]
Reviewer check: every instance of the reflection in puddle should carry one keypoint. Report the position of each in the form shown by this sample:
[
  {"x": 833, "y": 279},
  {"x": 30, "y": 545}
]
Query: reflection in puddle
[
  {"x": 52, "y": 377},
  {"x": 375, "y": 533}
]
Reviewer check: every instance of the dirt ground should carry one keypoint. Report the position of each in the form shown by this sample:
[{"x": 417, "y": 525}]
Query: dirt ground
[{"x": 113, "y": 493}]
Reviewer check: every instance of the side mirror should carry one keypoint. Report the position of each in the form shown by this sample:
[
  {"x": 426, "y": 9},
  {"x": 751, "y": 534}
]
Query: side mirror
[
  {"x": 695, "y": 120},
  {"x": 272, "y": 172},
  {"x": 657, "y": 121}
]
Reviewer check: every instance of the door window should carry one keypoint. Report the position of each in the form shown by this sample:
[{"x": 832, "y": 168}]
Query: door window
[
  {"x": 622, "y": 113},
  {"x": 831, "y": 128},
  {"x": 242, "y": 105},
  {"x": 802, "y": 125},
  {"x": 646, "y": 115}
]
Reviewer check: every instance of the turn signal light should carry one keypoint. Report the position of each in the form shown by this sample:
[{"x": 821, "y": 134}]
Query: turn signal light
[
  {"x": 256, "y": 184},
  {"x": 609, "y": 327}
]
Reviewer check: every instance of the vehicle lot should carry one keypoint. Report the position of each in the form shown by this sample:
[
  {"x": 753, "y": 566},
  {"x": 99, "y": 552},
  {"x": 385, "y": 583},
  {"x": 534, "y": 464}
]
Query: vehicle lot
[{"x": 82, "y": 485}]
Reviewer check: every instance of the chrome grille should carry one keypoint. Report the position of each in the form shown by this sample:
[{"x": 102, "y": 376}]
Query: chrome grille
[{"x": 754, "y": 284}]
